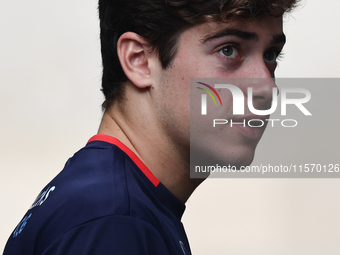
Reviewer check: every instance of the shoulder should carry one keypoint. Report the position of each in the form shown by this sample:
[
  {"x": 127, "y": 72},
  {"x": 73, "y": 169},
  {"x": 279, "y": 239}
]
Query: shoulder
[
  {"x": 117, "y": 233},
  {"x": 94, "y": 179},
  {"x": 101, "y": 188},
  {"x": 91, "y": 186}
]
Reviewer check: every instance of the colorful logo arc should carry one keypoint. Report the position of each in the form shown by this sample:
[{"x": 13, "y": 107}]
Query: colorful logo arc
[{"x": 208, "y": 92}]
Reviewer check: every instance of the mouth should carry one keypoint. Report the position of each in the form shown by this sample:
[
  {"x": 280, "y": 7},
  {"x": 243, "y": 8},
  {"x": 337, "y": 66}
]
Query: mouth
[{"x": 251, "y": 127}]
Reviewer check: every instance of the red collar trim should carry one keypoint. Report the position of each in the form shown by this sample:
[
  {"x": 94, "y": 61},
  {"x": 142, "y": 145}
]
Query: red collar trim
[{"x": 130, "y": 153}]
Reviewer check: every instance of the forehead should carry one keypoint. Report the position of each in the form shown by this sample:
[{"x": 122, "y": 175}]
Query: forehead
[{"x": 263, "y": 27}]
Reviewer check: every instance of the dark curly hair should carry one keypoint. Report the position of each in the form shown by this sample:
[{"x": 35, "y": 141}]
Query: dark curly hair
[{"x": 160, "y": 22}]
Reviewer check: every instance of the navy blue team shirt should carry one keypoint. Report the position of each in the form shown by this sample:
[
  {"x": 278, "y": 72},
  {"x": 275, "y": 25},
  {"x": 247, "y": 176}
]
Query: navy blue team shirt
[{"x": 105, "y": 201}]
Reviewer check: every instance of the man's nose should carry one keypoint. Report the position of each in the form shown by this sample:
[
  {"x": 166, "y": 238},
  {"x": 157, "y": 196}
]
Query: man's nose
[
  {"x": 258, "y": 68},
  {"x": 263, "y": 86}
]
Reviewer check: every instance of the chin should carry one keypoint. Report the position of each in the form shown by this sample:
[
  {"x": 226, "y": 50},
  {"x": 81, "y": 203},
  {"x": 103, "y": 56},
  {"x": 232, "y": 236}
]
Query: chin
[
  {"x": 244, "y": 160},
  {"x": 238, "y": 155},
  {"x": 234, "y": 156}
]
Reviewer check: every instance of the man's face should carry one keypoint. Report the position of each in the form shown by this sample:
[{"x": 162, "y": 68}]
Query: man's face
[{"x": 237, "y": 49}]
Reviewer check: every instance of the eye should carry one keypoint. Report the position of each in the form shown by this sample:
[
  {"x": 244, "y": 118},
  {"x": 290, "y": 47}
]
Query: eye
[
  {"x": 229, "y": 51},
  {"x": 271, "y": 56}
]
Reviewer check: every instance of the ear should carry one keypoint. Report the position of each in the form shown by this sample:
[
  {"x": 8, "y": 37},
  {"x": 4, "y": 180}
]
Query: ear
[{"x": 134, "y": 56}]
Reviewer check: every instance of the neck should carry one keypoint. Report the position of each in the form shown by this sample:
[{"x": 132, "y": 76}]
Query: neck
[{"x": 168, "y": 163}]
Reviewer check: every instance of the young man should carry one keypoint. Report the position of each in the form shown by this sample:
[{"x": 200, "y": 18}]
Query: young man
[{"x": 124, "y": 192}]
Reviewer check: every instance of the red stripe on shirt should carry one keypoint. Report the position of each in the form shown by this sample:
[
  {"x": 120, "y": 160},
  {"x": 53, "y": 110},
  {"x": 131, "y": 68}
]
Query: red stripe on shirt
[{"x": 130, "y": 153}]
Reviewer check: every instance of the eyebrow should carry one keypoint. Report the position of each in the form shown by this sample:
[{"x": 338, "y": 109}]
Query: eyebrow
[
  {"x": 277, "y": 39},
  {"x": 249, "y": 36}
]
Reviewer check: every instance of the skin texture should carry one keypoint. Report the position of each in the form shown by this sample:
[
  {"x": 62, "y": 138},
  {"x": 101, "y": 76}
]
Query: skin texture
[{"x": 154, "y": 118}]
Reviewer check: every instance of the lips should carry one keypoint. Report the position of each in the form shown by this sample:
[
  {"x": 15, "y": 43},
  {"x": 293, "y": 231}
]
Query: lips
[{"x": 251, "y": 126}]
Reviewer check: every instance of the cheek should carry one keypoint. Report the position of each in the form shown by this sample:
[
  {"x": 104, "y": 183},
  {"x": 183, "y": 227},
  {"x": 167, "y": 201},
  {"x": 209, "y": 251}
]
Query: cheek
[
  {"x": 191, "y": 64},
  {"x": 220, "y": 143},
  {"x": 173, "y": 106}
]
